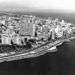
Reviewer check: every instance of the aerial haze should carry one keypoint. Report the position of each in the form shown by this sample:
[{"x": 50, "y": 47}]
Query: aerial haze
[{"x": 35, "y": 5}]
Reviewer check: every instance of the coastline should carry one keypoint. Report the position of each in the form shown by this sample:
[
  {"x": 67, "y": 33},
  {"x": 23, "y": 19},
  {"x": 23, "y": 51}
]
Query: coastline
[{"x": 35, "y": 53}]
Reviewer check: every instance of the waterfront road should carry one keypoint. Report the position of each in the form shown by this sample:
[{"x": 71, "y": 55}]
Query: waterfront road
[{"x": 41, "y": 50}]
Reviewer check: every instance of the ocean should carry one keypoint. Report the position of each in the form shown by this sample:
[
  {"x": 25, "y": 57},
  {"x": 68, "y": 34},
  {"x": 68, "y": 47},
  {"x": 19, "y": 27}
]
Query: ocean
[{"x": 61, "y": 62}]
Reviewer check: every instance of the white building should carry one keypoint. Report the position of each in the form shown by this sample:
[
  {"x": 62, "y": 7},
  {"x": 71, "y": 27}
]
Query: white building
[
  {"x": 6, "y": 39},
  {"x": 16, "y": 40},
  {"x": 59, "y": 31}
]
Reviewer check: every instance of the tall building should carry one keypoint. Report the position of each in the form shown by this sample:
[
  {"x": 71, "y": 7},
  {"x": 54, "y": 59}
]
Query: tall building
[
  {"x": 5, "y": 39},
  {"x": 27, "y": 29},
  {"x": 16, "y": 40}
]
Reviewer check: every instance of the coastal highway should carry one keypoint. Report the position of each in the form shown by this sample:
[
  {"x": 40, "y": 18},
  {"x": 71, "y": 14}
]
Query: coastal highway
[
  {"x": 41, "y": 50},
  {"x": 36, "y": 52}
]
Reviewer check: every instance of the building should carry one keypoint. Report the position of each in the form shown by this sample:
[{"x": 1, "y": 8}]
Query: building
[
  {"x": 5, "y": 39},
  {"x": 27, "y": 29},
  {"x": 59, "y": 31},
  {"x": 16, "y": 40}
]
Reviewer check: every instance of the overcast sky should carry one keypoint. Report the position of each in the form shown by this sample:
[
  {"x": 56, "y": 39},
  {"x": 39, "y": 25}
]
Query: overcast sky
[{"x": 40, "y": 4}]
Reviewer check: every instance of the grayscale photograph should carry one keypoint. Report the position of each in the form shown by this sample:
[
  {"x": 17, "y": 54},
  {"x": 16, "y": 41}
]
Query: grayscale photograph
[{"x": 37, "y": 37}]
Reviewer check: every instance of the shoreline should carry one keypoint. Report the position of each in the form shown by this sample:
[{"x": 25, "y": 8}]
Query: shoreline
[{"x": 35, "y": 53}]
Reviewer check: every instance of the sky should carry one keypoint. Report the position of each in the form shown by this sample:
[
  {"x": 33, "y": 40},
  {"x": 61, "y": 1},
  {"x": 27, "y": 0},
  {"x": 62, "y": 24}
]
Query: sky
[{"x": 66, "y": 5}]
